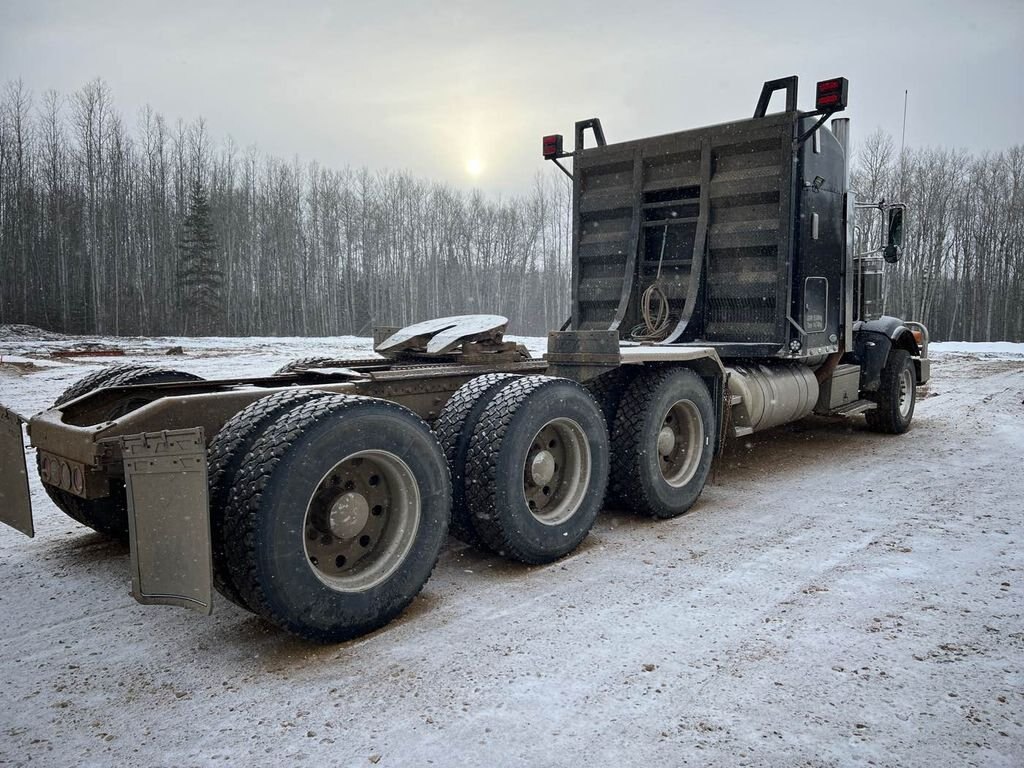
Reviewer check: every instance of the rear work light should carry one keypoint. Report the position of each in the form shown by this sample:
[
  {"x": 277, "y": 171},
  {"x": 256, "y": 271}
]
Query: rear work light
[
  {"x": 831, "y": 95},
  {"x": 553, "y": 146}
]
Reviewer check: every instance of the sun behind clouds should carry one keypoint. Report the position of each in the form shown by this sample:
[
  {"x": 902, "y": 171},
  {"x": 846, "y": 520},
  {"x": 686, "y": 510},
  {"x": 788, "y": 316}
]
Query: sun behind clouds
[{"x": 474, "y": 167}]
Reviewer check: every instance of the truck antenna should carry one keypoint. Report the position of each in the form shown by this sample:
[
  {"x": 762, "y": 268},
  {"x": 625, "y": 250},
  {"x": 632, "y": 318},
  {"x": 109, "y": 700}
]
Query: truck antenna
[{"x": 903, "y": 141}]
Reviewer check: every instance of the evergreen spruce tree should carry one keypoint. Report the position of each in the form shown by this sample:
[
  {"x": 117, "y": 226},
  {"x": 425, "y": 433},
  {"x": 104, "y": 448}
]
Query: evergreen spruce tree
[{"x": 200, "y": 278}]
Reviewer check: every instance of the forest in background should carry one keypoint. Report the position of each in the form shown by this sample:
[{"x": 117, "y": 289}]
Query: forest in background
[
  {"x": 962, "y": 268},
  {"x": 152, "y": 228}
]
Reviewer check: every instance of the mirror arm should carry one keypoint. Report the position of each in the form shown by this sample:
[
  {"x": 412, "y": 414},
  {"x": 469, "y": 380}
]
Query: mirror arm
[{"x": 879, "y": 206}]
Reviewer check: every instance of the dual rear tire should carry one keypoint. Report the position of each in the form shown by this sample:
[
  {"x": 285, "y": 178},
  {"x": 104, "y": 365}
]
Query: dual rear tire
[
  {"x": 332, "y": 521},
  {"x": 329, "y": 511},
  {"x": 529, "y": 458}
]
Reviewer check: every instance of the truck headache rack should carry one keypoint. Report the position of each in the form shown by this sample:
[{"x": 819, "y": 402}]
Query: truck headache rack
[{"x": 690, "y": 211}]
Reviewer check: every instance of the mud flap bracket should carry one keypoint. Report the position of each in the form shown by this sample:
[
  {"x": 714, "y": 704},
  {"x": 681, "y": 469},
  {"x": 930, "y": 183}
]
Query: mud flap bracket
[
  {"x": 169, "y": 518},
  {"x": 15, "y": 500}
]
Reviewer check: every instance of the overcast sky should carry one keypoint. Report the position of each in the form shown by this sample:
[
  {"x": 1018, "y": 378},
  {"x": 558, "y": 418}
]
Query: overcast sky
[{"x": 463, "y": 91}]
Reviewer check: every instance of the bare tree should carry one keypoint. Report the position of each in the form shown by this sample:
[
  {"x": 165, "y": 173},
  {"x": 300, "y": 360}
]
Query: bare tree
[{"x": 95, "y": 219}]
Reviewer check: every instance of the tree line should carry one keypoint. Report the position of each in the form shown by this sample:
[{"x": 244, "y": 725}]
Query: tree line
[
  {"x": 149, "y": 228},
  {"x": 962, "y": 267}
]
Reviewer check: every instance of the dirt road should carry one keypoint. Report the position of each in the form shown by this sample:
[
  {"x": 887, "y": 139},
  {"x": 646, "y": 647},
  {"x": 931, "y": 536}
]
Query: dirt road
[{"x": 837, "y": 597}]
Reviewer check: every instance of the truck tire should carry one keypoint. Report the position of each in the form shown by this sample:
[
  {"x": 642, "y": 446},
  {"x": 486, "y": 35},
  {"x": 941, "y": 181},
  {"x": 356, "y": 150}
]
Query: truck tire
[
  {"x": 608, "y": 389},
  {"x": 340, "y": 511},
  {"x": 225, "y": 456},
  {"x": 897, "y": 395},
  {"x": 93, "y": 381},
  {"x": 302, "y": 364},
  {"x": 537, "y": 469},
  {"x": 663, "y": 442},
  {"x": 454, "y": 428},
  {"x": 109, "y": 515}
]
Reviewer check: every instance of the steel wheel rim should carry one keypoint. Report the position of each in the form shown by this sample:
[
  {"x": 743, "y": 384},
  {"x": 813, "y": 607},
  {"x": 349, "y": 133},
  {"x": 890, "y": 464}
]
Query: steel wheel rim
[
  {"x": 906, "y": 392},
  {"x": 680, "y": 443},
  {"x": 361, "y": 520},
  {"x": 556, "y": 471}
]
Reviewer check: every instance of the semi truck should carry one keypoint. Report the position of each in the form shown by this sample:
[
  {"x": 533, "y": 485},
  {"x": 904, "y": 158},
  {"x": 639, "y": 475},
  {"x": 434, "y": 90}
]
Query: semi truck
[{"x": 716, "y": 292}]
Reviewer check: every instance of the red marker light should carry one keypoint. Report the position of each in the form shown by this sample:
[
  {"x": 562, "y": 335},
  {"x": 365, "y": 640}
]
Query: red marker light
[
  {"x": 831, "y": 95},
  {"x": 553, "y": 146}
]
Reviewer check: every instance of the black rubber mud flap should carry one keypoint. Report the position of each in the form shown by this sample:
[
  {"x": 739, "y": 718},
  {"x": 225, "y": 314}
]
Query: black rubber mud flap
[
  {"x": 169, "y": 518},
  {"x": 15, "y": 501}
]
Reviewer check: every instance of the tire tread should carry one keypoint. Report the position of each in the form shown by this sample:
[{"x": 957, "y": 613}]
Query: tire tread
[
  {"x": 242, "y": 513},
  {"x": 482, "y": 465},
  {"x": 225, "y": 455},
  {"x": 454, "y": 428},
  {"x": 108, "y": 515},
  {"x": 626, "y": 473}
]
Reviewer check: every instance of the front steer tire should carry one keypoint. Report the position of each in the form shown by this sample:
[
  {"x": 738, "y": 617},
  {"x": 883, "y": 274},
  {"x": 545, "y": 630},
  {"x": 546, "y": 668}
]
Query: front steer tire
[
  {"x": 292, "y": 528},
  {"x": 896, "y": 397}
]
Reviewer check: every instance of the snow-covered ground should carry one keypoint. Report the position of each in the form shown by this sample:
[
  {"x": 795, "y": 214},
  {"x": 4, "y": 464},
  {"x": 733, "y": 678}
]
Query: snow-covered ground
[
  {"x": 837, "y": 597},
  {"x": 989, "y": 350}
]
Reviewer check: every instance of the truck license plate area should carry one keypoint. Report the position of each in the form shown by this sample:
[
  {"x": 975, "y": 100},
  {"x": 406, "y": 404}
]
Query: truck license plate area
[
  {"x": 70, "y": 476},
  {"x": 15, "y": 501},
  {"x": 169, "y": 518}
]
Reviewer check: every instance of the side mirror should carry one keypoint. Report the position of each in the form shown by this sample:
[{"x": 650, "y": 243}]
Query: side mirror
[{"x": 894, "y": 246}]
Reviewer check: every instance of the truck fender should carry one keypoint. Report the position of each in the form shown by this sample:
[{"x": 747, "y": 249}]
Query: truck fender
[
  {"x": 868, "y": 349},
  {"x": 895, "y": 330},
  {"x": 872, "y": 351}
]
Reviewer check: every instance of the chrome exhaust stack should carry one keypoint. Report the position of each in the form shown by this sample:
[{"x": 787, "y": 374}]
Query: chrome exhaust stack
[
  {"x": 864, "y": 296},
  {"x": 841, "y": 130}
]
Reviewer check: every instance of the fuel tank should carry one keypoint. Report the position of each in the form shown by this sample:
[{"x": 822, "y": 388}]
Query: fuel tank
[{"x": 770, "y": 395}]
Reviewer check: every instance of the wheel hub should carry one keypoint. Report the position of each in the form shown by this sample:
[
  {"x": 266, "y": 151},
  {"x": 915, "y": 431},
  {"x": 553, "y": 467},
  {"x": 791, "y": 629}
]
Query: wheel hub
[
  {"x": 542, "y": 467},
  {"x": 680, "y": 443},
  {"x": 361, "y": 520},
  {"x": 666, "y": 441},
  {"x": 348, "y": 515},
  {"x": 556, "y": 471}
]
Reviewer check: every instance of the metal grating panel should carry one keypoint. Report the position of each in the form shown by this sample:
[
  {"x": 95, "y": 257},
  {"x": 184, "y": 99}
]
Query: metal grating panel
[{"x": 654, "y": 185}]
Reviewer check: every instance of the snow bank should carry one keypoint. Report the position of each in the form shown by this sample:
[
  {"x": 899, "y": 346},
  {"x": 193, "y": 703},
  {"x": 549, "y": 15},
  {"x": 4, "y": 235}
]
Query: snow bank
[{"x": 996, "y": 350}]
